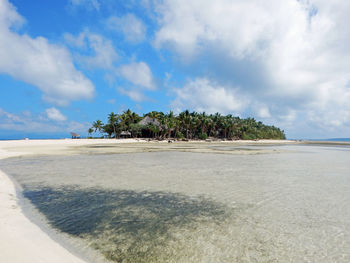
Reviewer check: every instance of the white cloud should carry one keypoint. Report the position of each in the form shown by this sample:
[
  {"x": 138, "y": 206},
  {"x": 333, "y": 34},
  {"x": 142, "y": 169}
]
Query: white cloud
[
  {"x": 133, "y": 94},
  {"x": 9, "y": 16},
  {"x": 95, "y": 51},
  {"x": 47, "y": 66},
  {"x": 132, "y": 27},
  {"x": 139, "y": 74},
  {"x": 241, "y": 27},
  {"x": 103, "y": 53},
  {"x": 55, "y": 115},
  {"x": 111, "y": 101},
  {"x": 26, "y": 122},
  {"x": 297, "y": 52},
  {"x": 89, "y": 4},
  {"x": 203, "y": 95},
  {"x": 263, "y": 111},
  {"x": 9, "y": 116}
]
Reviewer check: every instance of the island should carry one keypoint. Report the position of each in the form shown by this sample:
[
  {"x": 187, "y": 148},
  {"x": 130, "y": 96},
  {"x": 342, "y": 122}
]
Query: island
[{"x": 184, "y": 126}]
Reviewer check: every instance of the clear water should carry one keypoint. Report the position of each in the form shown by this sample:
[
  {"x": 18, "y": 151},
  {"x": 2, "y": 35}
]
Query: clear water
[{"x": 290, "y": 206}]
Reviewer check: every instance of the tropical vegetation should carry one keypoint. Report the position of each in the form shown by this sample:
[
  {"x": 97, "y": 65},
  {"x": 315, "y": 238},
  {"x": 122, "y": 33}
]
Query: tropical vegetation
[{"x": 185, "y": 125}]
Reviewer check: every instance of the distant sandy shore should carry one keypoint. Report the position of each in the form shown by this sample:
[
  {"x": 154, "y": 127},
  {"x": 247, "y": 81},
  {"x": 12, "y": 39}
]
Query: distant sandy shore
[{"x": 23, "y": 241}]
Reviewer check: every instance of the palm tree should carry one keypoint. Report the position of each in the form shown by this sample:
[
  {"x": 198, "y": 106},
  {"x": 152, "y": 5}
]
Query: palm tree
[
  {"x": 170, "y": 122},
  {"x": 112, "y": 120},
  {"x": 127, "y": 118},
  {"x": 203, "y": 122},
  {"x": 185, "y": 118},
  {"x": 98, "y": 126},
  {"x": 177, "y": 124},
  {"x": 135, "y": 118},
  {"x": 210, "y": 125},
  {"x": 194, "y": 124},
  {"x": 90, "y": 131}
]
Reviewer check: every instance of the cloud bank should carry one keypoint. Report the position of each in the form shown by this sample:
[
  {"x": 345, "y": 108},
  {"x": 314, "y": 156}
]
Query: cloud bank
[
  {"x": 47, "y": 66},
  {"x": 50, "y": 121},
  {"x": 93, "y": 51},
  {"x": 288, "y": 56},
  {"x": 204, "y": 95}
]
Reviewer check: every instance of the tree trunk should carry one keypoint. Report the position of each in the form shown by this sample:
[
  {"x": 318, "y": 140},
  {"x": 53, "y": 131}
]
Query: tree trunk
[{"x": 115, "y": 132}]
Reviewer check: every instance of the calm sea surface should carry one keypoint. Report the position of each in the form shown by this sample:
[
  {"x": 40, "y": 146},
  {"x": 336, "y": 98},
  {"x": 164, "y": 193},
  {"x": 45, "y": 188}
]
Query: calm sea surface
[{"x": 291, "y": 206}]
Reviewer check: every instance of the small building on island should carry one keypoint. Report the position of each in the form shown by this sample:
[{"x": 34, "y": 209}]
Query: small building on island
[
  {"x": 149, "y": 121},
  {"x": 75, "y": 135},
  {"x": 125, "y": 134},
  {"x": 150, "y": 126}
]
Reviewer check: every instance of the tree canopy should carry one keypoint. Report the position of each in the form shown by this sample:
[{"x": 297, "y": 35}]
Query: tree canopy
[{"x": 186, "y": 125}]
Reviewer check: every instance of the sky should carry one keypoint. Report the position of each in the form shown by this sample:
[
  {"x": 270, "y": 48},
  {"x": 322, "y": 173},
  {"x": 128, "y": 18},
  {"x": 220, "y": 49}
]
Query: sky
[{"x": 65, "y": 64}]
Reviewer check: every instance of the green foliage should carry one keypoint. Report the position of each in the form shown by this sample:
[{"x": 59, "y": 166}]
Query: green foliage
[
  {"x": 189, "y": 125},
  {"x": 248, "y": 136},
  {"x": 97, "y": 126},
  {"x": 90, "y": 131},
  {"x": 179, "y": 135},
  {"x": 203, "y": 136},
  {"x": 135, "y": 129}
]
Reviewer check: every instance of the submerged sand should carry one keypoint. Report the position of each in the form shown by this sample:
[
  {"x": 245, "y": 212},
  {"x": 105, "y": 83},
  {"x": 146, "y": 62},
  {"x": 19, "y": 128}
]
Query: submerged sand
[
  {"x": 271, "y": 196},
  {"x": 23, "y": 241},
  {"x": 20, "y": 239}
]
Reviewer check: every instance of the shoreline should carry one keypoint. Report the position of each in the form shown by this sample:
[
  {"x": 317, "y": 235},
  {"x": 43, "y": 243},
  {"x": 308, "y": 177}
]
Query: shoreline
[
  {"x": 19, "y": 231},
  {"x": 22, "y": 232},
  {"x": 21, "y": 240}
]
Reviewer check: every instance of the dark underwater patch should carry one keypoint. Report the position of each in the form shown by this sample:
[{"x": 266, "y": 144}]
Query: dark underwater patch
[{"x": 126, "y": 226}]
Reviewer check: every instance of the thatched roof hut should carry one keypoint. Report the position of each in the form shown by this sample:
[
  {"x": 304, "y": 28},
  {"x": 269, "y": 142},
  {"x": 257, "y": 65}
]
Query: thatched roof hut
[
  {"x": 125, "y": 134},
  {"x": 75, "y": 135},
  {"x": 149, "y": 121}
]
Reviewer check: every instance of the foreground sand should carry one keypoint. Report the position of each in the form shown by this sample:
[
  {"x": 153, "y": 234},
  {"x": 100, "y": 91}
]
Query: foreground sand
[{"x": 23, "y": 241}]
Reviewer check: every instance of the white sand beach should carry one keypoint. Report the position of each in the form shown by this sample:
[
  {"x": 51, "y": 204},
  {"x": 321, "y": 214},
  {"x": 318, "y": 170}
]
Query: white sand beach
[{"x": 20, "y": 239}]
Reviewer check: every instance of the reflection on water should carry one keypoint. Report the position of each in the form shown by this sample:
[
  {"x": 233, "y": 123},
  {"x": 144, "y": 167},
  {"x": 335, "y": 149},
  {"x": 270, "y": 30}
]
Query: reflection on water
[
  {"x": 291, "y": 206},
  {"x": 127, "y": 226}
]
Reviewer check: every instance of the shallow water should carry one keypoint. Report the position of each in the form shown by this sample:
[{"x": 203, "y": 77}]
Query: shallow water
[{"x": 291, "y": 206}]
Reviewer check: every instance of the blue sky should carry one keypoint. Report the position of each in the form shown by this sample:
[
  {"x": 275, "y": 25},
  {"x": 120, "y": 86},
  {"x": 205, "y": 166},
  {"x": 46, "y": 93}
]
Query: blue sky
[{"x": 64, "y": 64}]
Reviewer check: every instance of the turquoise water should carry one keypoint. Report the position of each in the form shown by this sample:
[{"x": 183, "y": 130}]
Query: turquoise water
[{"x": 290, "y": 206}]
